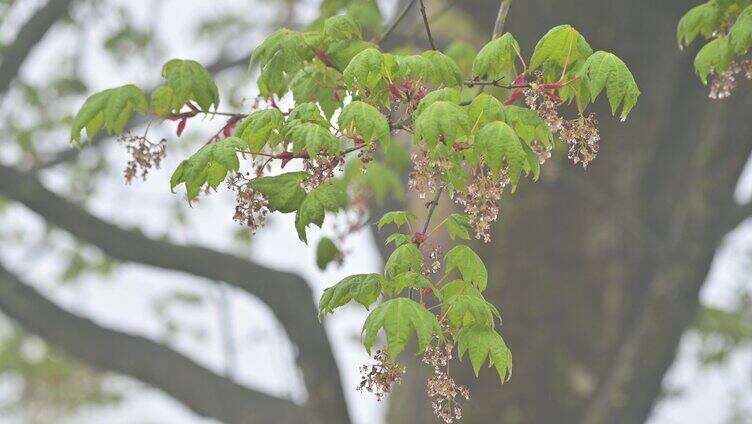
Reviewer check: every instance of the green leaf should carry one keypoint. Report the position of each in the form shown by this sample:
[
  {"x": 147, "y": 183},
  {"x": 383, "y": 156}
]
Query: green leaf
[
  {"x": 341, "y": 53},
  {"x": 261, "y": 128},
  {"x": 496, "y": 59},
  {"x": 398, "y": 218},
  {"x": 406, "y": 280},
  {"x": 713, "y": 57},
  {"x": 364, "y": 70},
  {"x": 400, "y": 318},
  {"x": 328, "y": 197},
  {"x": 441, "y": 119},
  {"x": 464, "y": 305},
  {"x": 342, "y": 27},
  {"x": 281, "y": 55},
  {"x": 306, "y": 112},
  {"x": 326, "y": 253},
  {"x": 740, "y": 34},
  {"x": 528, "y": 125},
  {"x": 190, "y": 81},
  {"x": 317, "y": 83},
  {"x": 458, "y": 226},
  {"x": 367, "y": 14},
  {"x": 484, "y": 109},
  {"x": 606, "y": 70},
  {"x": 404, "y": 258},
  {"x": 481, "y": 342},
  {"x": 469, "y": 264},
  {"x": 364, "y": 120},
  {"x": 561, "y": 46},
  {"x": 314, "y": 139},
  {"x": 446, "y": 72},
  {"x": 414, "y": 68},
  {"x": 497, "y": 143},
  {"x": 398, "y": 239},
  {"x": 362, "y": 288},
  {"x": 111, "y": 108},
  {"x": 209, "y": 165},
  {"x": 703, "y": 19},
  {"x": 444, "y": 94},
  {"x": 283, "y": 192}
]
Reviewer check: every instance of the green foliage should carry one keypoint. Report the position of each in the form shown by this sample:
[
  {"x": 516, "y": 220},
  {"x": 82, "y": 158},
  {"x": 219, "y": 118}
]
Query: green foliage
[
  {"x": 283, "y": 192},
  {"x": 562, "y": 46},
  {"x": 480, "y": 342},
  {"x": 361, "y": 288},
  {"x": 469, "y": 264},
  {"x": 329, "y": 197},
  {"x": 484, "y": 109},
  {"x": 260, "y": 128},
  {"x": 313, "y": 138},
  {"x": 464, "y": 305},
  {"x": 364, "y": 70},
  {"x": 498, "y": 143},
  {"x": 363, "y": 120},
  {"x": 458, "y": 226},
  {"x": 740, "y": 34},
  {"x": 713, "y": 57},
  {"x": 606, "y": 70},
  {"x": 187, "y": 80},
  {"x": 377, "y": 178},
  {"x": 111, "y": 109},
  {"x": 442, "y": 119},
  {"x": 405, "y": 258},
  {"x": 496, "y": 59},
  {"x": 326, "y": 253},
  {"x": 446, "y": 72},
  {"x": 209, "y": 165},
  {"x": 398, "y": 218},
  {"x": 400, "y": 317},
  {"x": 700, "y": 20}
]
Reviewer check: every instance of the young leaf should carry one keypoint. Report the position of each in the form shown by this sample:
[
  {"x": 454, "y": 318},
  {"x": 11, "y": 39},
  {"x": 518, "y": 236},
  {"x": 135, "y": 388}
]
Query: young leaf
[
  {"x": 451, "y": 95},
  {"x": 364, "y": 70},
  {"x": 469, "y": 308},
  {"x": 111, "y": 108},
  {"x": 398, "y": 239},
  {"x": 703, "y": 19},
  {"x": 445, "y": 71},
  {"x": 561, "y": 46},
  {"x": 713, "y": 57},
  {"x": 481, "y": 342},
  {"x": 341, "y": 53},
  {"x": 261, "y": 128},
  {"x": 291, "y": 43},
  {"x": 458, "y": 226},
  {"x": 364, "y": 120},
  {"x": 209, "y": 165},
  {"x": 362, "y": 288},
  {"x": 317, "y": 83},
  {"x": 283, "y": 192},
  {"x": 441, "y": 119},
  {"x": 528, "y": 125},
  {"x": 606, "y": 70},
  {"x": 328, "y": 197},
  {"x": 342, "y": 27},
  {"x": 398, "y": 218},
  {"x": 188, "y": 80},
  {"x": 414, "y": 68},
  {"x": 485, "y": 109},
  {"x": 496, "y": 59},
  {"x": 497, "y": 143},
  {"x": 740, "y": 34},
  {"x": 326, "y": 253},
  {"x": 314, "y": 139},
  {"x": 410, "y": 279},
  {"x": 404, "y": 258},
  {"x": 469, "y": 264},
  {"x": 400, "y": 318}
]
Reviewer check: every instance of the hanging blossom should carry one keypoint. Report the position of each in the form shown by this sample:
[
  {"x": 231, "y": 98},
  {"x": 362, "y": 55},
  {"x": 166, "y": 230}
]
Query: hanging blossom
[
  {"x": 426, "y": 175},
  {"x": 251, "y": 207},
  {"x": 441, "y": 388},
  {"x": 144, "y": 154},
  {"x": 723, "y": 84},
  {"x": 481, "y": 201},
  {"x": 379, "y": 378}
]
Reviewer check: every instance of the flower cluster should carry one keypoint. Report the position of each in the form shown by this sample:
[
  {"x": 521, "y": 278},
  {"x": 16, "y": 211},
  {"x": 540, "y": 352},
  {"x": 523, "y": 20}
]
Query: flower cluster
[
  {"x": 441, "y": 388},
  {"x": 251, "y": 207},
  {"x": 144, "y": 154},
  {"x": 320, "y": 169},
  {"x": 379, "y": 378},
  {"x": 725, "y": 82},
  {"x": 426, "y": 175},
  {"x": 481, "y": 202}
]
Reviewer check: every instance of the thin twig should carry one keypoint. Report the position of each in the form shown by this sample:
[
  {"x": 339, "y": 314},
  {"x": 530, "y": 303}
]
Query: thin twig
[
  {"x": 428, "y": 27},
  {"x": 434, "y": 203},
  {"x": 501, "y": 18},
  {"x": 396, "y": 22}
]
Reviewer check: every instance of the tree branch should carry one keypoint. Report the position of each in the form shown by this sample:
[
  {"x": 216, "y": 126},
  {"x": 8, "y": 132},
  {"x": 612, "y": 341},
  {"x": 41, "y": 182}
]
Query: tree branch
[
  {"x": 428, "y": 27},
  {"x": 397, "y": 21},
  {"x": 28, "y": 37},
  {"x": 201, "y": 390},
  {"x": 287, "y": 294},
  {"x": 501, "y": 19}
]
